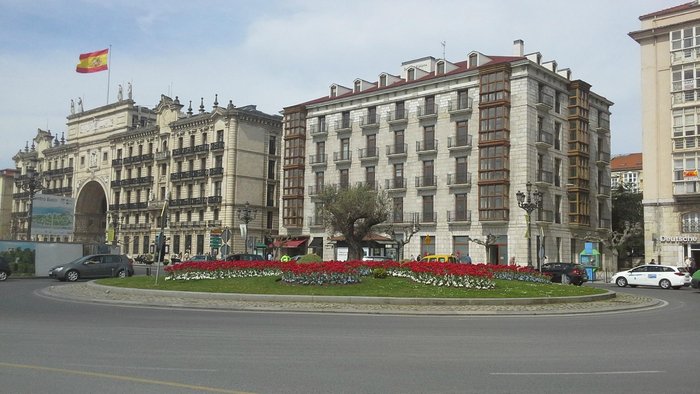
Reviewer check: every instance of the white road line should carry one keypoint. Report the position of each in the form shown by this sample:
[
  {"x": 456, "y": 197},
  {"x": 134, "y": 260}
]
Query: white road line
[{"x": 575, "y": 373}]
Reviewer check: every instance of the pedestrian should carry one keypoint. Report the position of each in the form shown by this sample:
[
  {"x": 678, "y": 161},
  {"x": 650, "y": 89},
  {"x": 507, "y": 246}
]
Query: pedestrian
[
  {"x": 512, "y": 261},
  {"x": 652, "y": 261},
  {"x": 413, "y": 258},
  {"x": 688, "y": 263},
  {"x": 467, "y": 259},
  {"x": 545, "y": 260},
  {"x": 269, "y": 256},
  {"x": 693, "y": 265}
]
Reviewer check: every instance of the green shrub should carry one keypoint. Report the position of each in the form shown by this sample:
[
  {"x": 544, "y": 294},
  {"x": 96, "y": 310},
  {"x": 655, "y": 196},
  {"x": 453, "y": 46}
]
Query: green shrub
[
  {"x": 379, "y": 273},
  {"x": 311, "y": 258}
]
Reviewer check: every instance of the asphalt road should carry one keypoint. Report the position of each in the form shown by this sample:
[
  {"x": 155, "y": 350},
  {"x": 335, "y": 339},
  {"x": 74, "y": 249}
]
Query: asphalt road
[{"x": 51, "y": 346}]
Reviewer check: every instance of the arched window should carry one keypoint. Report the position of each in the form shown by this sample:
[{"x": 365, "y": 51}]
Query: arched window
[
  {"x": 382, "y": 80},
  {"x": 440, "y": 68},
  {"x": 690, "y": 222}
]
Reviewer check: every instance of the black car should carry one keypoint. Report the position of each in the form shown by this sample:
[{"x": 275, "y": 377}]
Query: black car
[
  {"x": 93, "y": 266},
  {"x": 245, "y": 257},
  {"x": 4, "y": 269},
  {"x": 566, "y": 273}
]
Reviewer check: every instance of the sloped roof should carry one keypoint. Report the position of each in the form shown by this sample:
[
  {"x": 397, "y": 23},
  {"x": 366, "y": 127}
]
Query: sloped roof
[
  {"x": 671, "y": 10},
  {"x": 632, "y": 161}
]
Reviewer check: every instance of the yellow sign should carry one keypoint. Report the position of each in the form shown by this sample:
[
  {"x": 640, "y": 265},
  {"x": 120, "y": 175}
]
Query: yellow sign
[{"x": 428, "y": 240}]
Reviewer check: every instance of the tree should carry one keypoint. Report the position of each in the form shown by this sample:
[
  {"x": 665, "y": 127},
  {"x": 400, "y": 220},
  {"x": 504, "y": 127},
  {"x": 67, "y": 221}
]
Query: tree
[
  {"x": 627, "y": 210},
  {"x": 352, "y": 212},
  {"x": 614, "y": 240},
  {"x": 486, "y": 243},
  {"x": 402, "y": 234}
]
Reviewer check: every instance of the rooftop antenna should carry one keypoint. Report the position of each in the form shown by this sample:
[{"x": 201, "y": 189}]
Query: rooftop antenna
[{"x": 444, "y": 43}]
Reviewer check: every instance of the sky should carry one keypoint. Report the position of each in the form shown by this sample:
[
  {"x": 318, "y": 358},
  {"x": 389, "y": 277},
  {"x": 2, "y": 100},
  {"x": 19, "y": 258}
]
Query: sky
[{"x": 274, "y": 53}]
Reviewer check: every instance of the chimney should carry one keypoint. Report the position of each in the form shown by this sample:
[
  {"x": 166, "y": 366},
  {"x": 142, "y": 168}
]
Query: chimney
[{"x": 519, "y": 47}]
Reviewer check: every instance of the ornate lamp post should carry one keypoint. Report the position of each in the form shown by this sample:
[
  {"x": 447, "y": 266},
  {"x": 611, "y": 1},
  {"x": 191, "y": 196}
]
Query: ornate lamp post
[
  {"x": 31, "y": 182},
  {"x": 116, "y": 223},
  {"x": 529, "y": 202},
  {"x": 246, "y": 215}
]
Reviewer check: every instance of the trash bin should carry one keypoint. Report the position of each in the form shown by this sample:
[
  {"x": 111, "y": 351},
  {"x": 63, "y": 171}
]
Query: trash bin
[{"x": 590, "y": 272}]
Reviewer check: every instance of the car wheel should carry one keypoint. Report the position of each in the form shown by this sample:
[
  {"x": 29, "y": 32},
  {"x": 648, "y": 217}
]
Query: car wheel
[
  {"x": 3, "y": 276},
  {"x": 665, "y": 284},
  {"x": 72, "y": 275},
  {"x": 565, "y": 280},
  {"x": 621, "y": 282},
  {"x": 121, "y": 274}
]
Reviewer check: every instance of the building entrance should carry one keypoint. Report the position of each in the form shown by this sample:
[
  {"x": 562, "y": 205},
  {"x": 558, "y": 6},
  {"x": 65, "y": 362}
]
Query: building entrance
[{"x": 90, "y": 214}]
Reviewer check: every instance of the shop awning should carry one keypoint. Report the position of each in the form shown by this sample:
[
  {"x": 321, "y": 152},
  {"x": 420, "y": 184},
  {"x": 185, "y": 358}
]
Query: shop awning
[
  {"x": 317, "y": 242},
  {"x": 294, "y": 243}
]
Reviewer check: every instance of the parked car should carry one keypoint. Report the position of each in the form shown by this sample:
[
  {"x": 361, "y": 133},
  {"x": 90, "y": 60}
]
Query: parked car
[
  {"x": 441, "y": 258},
  {"x": 202, "y": 257},
  {"x": 244, "y": 257},
  {"x": 376, "y": 258},
  {"x": 566, "y": 273},
  {"x": 93, "y": 266},
  {"x": 4, "y": 269},
  {"x": 664, "y": 276}
]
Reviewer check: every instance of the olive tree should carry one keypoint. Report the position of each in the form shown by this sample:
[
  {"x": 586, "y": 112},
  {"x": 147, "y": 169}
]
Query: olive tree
[{"x": 352, "y": 212}]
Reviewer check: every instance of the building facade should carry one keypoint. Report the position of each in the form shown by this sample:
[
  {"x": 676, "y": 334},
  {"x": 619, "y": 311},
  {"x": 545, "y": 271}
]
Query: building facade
[
  {"x": 626, "y": 170},
  {"x": 7, "y": 179},
  {"x": 670, "y": 65},
  {"x": 128, "y": 166},
  {"x": 451, "y": 144}
]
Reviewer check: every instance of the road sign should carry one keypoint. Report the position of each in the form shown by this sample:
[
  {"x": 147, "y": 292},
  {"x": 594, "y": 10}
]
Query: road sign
[
  {"x": 214, "y": 242},
  {"x": 225, "y": 250},
  {"x": 226, "y": 235},
  {"x": 215, "y": 232}
]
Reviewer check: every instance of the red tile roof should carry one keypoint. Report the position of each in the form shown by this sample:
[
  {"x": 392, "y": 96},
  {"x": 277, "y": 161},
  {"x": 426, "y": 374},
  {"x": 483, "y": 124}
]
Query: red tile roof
[
  {"x": 461, "y": 67},
  {"x": 671, "y": 10},
  {"x": 632, "y": 161}
]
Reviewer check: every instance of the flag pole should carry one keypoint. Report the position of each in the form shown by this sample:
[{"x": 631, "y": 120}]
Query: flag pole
[{"x": 109, "y": 69}]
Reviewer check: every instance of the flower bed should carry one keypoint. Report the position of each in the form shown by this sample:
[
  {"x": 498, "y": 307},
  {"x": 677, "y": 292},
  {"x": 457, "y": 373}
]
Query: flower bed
[{"x": 470, "y": 276}]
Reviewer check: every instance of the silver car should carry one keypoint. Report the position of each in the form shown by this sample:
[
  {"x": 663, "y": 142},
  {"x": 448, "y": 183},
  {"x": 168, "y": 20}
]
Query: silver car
[{"x": 93, "y": 266}]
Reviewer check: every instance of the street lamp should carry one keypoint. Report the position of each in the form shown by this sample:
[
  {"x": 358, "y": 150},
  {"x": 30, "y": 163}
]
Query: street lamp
[
  {"x": 31, "y": 182},
  {"x": 529, "y": 202},
  {"x": 116, "y": 222},
  {"x": 246, "y": 215}
]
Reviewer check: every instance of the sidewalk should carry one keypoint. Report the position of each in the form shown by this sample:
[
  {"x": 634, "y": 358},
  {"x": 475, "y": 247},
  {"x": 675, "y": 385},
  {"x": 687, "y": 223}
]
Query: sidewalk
[{"x": 94, "y": 293}]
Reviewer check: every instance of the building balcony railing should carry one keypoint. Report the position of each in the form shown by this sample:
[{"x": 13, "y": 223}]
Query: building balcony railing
[
  {"x": 216, "y": 146},
  {"x": 459, "y": 142},
  {"x": 315, "y": 190},
  {"x": 318, "y": 159},
  {"x": 20, "y": 195},
  {"x": 216, "y": 171},
  {"x": 342, "y": 157},
  {"x": 427, "y": 146},
  {"x": 314, "y": 221},
  {"x": 545, "y": 101},
  {"x": 459, "y": 179},
  {"x": 544, "y": 216},
  {"x": 201, "y": 148},
  {"x": 343, "y": 126},
  {"x": 214, "y": 223},
  {"x": 603, "y": 126},
  {"x": 202, "y": 172},
  {"x": 369, "y": 121},
  {"x": 164, "y": 155},
  {"x": 396, "y": 150},
  {"x": 604, "y": 190},
  {"x": 373, "y": 185},
  {"x": 603, "y": 158},
  {"x": 427, "y": 111},
  {"x": 545, "y": 139},
  {"x": 214, "y": 200},
  {"x": 397, "y": 116},
  {"x": 153, "y": 205},
  {"x": 604, "y": 223},
  {"x": 426, "y": 181},
  {"x": 427, "y": 217},
  {"x": 318, "y": 129},
  {"x": 117, "y": 162},
  {"x": 368, "y": 153},
  {"x": 459, "y": 216},
  {"x": 395, "y": 183},
  {"x": 397, "y": 217},
  {"x": 463, "y": 104},
  {"x": 544, "y": 177}
]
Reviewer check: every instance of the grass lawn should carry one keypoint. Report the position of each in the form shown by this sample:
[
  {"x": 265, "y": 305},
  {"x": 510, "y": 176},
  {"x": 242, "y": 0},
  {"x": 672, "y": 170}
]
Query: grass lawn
[{"x": 389, "y": 287}]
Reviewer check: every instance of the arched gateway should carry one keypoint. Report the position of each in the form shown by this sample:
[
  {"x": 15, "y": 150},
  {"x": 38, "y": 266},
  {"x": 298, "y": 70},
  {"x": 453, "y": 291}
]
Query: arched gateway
[{"x": 91, "y": 214}]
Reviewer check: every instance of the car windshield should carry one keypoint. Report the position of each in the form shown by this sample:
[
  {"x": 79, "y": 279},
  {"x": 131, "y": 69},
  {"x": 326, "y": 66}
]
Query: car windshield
[{"x": 683, "y": 269}]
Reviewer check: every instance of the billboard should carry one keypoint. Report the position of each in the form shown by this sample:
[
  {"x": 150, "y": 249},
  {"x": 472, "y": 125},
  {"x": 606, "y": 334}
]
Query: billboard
[{"x": 53, "y": 215}]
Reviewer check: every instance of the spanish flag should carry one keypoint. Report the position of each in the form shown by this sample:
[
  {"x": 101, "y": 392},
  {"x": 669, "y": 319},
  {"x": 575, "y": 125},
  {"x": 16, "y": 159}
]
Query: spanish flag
[{"x": 93, "y": 62}]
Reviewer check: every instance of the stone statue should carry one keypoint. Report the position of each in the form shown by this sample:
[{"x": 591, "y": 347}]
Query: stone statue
[
  {"x": 80, "y": 104},
  {"x": 72, "y": 107},
  {"x": 128, "y": 90},
  {"x": 120, "y": 93}
]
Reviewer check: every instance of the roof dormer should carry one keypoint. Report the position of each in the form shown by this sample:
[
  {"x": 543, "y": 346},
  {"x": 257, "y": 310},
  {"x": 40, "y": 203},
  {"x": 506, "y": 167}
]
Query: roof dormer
[
  {"x": 360, "y": 85},
  {"x": 386, "y": 79},
  {"x": 477, "y": 59},
  {"x": 338, "y": 90}
]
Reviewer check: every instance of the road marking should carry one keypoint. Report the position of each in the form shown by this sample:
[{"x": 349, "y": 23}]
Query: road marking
[
  {"x": 144, "y": 368},
  {"x": 125, "y": 378},
  {"x": 575, "y": 373}
]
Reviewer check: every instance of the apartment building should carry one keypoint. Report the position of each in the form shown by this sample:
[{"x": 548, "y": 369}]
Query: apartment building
[
  {"x": 670, "y": 67},
  {"x": 451, "y": 143},
  {"x": 627, "y": 170},
  {"x": 127, "y": 166}
]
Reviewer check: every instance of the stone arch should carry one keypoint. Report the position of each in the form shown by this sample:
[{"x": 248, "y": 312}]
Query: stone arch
[{"x": 91, "y": 214}]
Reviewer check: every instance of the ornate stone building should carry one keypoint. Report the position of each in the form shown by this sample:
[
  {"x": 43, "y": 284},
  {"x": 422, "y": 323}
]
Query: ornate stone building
[{"x": 122, "y": 163}]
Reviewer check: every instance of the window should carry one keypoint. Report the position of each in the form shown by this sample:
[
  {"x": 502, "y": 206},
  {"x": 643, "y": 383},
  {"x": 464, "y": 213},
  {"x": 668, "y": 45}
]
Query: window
[
  {"x": 493, "y": 200},
  {"x": 494, "y": 124},
  {"x": 429, "y": 138},
  {"x": 493, "y": 163},
  {"x": 428, "y": 212},
  {"x": 399, "y": 142},
  {"x": 369, "y": 177},
  {"x": 410, "y": 74},
  {"x": 440, "y": 68},
  {"x": 398, "y": 176},
  {"x": 557, "y": 135},
  {"x": 319, "y": 181},
  {"x": 557, "y": 209},
  {"x": 462, "y": 176},
  {"x": 428, "y": 173},
  {"x": 334, "y": 91},
  {"x": 371, "y": 145},
  {"x": 104, "y": 156},
  {"x": 382, "y": 80},
  {"x": 461, "y": 213},
  {"x": 272, "y": 145},
  {"x": 271, "y": 169},
  {"x": 358, "y": 86},
  {"x": 461, "y": 133},
  {"x": 345, "y": 120},
  {"x": 371, "y": 115},
  {"x": 690, "y": 222},
  {"x": 494, "y": 86},
  {"x": 557, "y": 172},
  {"x": 345, "y": 149},
  {"x": 219, "y": 136},
  {"x": 397, "y": 214},
  {"x": 268, "y": 223},
  {"x": 400, "y": 110},
  {"x": 344, "y": 177},
  {"x": 270, "y": 195}
]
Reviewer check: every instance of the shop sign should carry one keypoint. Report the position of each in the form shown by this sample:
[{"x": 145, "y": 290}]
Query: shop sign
[{"x": 678, "y": 239}]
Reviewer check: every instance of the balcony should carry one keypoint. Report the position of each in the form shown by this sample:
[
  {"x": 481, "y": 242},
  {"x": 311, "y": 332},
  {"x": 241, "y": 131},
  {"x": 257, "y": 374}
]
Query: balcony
[
  {"x": 343, "y": 126},
  {"x": 396, "y": 150},
  {"x": 427, "y": 217},
  {"x": 427, "y": 147},
  {"x": 460, "y": 179},
  {"x": 426, "y": 182},
  {"x": 544, "y": 216},
  {"x": 314, "y": 221},
  {"x": 214, "y": 200},
  {"x": 603, "y": 158},
  {"x": 398, "y": 116},
  {"x": 216, "y": 146},
  {"x": 318, "y": 130},
  {"x": 461, "y": 106},
  {"x": 117, "y": 162},
  {"x": 395, "y": 184},
  {"x": 318, "y": 160},
  {"x": 165, "y": 155},
  {"x": 153, "y": 205},
  {"x": 427, "y": 111},
  {"x": 464, "y": 217},
  {"x": 201, "y": 173},
  {"x": 213, "y": 223},
  {"x": 459, "y": 142},
  {"x": 603, "y": 126},
  {"x": 342, "y": 157},
  {"x": 370, "y": 121},
  {"x": 183, "y": 151},
  {"x": 545, "y": 139},
  {"x": 315, "y": 190},
  {"x": 372, "y": 185},
  {"x": 545, "y": 102},
  {"x": 603, "y": 191},
  {"x": 367, "y": 154},
  {"x": 544, "y": 178},
  {"x": 201, "y": 148},
  {"x": 216, "y": 171},
  {"x": 604, "y": 224},
  {"x": 400, "y": 217}
]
